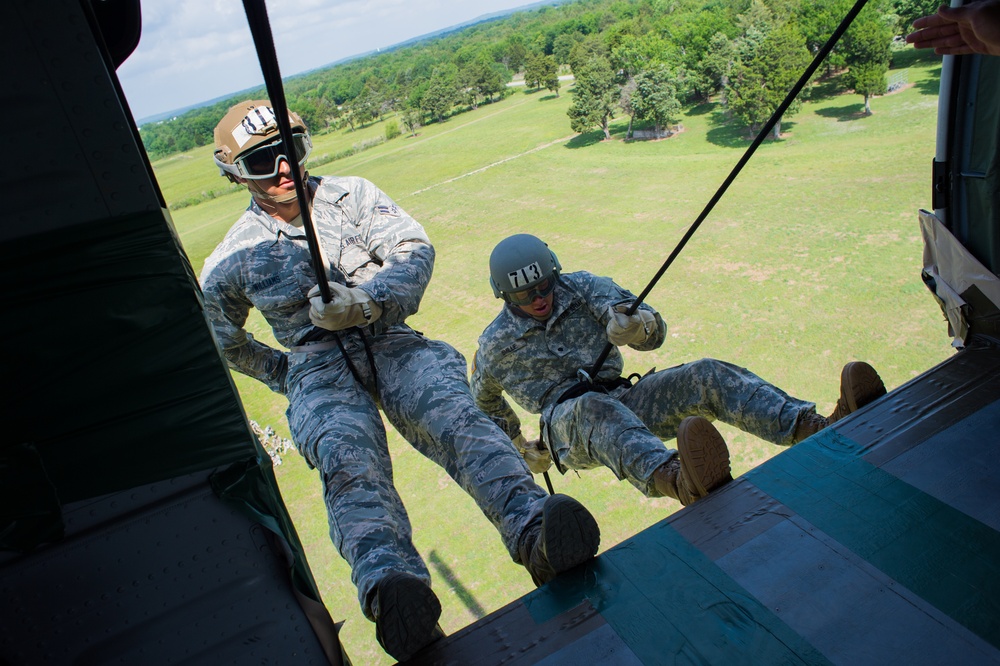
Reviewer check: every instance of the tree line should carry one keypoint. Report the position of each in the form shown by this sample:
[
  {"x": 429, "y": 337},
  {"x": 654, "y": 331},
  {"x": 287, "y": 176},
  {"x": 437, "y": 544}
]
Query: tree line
[
  {"x": 747, "y": 55},
  {"x": 646, "y": 59}
]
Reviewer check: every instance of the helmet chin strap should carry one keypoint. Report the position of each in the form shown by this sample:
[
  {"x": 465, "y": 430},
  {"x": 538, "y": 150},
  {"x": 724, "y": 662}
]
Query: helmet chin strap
[{"x": 261, "y": 195}]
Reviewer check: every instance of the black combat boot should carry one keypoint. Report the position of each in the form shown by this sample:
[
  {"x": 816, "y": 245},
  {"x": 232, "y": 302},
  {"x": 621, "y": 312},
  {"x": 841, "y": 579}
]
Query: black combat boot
[
  {"x": 406, "y": 613},
  {"x": 566, "y": 536}
]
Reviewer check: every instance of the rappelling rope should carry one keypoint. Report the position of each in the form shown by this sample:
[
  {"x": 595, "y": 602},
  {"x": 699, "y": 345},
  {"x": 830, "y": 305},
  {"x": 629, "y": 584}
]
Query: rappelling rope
[
  {"x": 759, "y": 139},
  {"x": 260, "y": 28}
]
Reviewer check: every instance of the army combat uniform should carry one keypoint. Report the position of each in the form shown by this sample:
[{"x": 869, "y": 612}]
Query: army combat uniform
[
  {"x": 620, "y": 425},
  {"x": 336, "y": 382}
]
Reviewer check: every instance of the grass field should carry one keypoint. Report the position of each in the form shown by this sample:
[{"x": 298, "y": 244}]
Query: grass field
[{"x": 812, "y": 259}]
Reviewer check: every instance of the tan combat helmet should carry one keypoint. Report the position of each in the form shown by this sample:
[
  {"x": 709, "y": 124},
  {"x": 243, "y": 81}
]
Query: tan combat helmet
[{"x": 248, "y": 144}]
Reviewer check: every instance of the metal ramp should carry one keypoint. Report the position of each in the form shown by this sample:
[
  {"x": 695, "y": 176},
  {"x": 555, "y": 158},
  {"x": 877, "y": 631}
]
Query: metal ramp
[{"x": 876, "y": 541}]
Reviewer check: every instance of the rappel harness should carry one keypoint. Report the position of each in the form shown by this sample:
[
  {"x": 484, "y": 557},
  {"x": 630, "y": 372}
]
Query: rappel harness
[
  {"x": 313, "y": 342},
  {"x": 260, "y": 29},
  {"x": 588, "y": 384}
]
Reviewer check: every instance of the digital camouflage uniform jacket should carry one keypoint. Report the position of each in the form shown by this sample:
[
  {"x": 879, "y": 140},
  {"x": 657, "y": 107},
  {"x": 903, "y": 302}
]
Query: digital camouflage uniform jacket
[
  {"x": 264, "y": 263},
  {"x": 536, "y": 361}
]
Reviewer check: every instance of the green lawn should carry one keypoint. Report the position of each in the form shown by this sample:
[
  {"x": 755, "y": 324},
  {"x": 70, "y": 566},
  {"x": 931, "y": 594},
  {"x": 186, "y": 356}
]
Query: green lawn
[{"x": 812, "y": 259}]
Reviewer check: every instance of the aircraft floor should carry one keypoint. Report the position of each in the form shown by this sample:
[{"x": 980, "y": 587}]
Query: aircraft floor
[{"x": 876, "y": 541}]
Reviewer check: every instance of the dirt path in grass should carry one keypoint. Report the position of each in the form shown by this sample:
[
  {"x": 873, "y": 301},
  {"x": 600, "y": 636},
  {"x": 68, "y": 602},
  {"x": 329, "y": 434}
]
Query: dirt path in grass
[{"x": 497, "y": 163}]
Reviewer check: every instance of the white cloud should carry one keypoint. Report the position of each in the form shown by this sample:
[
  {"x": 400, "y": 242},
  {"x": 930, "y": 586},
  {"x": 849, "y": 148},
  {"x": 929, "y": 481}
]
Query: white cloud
[{"x": 192, "y": 51}]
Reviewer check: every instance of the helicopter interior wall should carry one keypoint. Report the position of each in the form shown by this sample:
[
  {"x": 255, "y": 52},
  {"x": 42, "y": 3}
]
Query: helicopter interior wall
[
  {"x": 962, "y": 235},
  {"x": 140, "y": 521},
  {"x": 974, "y": 215}
]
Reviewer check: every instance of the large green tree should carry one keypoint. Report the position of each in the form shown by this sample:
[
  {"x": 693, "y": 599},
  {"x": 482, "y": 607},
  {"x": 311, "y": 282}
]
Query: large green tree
[
  {"x": 866, "y": 51},
  {"x": 655, "y": 98},
  {"x": 817, "y": 19},
  {"x": 635, "y": 54},
  {"x": 626, "y": 99},
  {"x": 764, "y": 72},
  {"x": 483, "y": 79},
  {"x": 563, "y": 45},
  {"x": 594, "y": 97},
  {"x": 586, "y": 49},
  {"x": 537, "y": 67},
  {"x": 511, "y": 52},
  {"x": 715, "y": 67},
  {"x": 440, "y": 95},
  {"x": 551, "y": 81},
  {"x": 366, "y": 106},
  {"x": 907, "y": 11}
]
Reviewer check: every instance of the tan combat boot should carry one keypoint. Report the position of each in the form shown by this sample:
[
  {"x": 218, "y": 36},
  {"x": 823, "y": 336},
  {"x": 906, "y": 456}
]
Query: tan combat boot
[
  {"x": 859, "y": 385},
  {"x": 700, "y": 466}
]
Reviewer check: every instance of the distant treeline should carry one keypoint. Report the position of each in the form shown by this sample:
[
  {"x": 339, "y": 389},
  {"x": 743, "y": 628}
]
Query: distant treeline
[{"x": 644, "y": 58}]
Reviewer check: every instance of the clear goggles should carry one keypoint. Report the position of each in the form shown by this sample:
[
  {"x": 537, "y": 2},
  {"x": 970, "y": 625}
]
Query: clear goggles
[
  {"x": 263, "y": 161},
  {"x": 527, "y": 296}
]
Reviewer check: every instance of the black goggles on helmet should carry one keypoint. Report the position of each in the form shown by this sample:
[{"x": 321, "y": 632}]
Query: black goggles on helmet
[
  {"x": 526, "y": 296},
  {"x": 264, "y": 161}
]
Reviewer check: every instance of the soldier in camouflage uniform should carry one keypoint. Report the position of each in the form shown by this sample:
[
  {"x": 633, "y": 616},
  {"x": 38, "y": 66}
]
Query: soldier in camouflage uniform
[
  {"x": 555, "y": 324},
  {"x": 353, "y": 355}
]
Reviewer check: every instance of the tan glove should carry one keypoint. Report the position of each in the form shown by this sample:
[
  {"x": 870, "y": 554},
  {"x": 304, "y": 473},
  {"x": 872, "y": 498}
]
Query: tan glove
[
  {"x": 348, "y": 306},
  {"x": 632, "y": 330},
  {"x": 534, "y": 453}
]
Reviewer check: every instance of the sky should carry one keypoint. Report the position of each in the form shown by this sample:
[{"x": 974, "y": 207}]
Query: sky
[{"x": 193, "y": 51}]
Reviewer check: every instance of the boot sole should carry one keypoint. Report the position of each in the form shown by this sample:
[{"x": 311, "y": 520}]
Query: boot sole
[
  {"x": 859, "y": 386},
  {"x": 408, "y": 615},
  {"x": 866, "y": 385},
  {"x": 571, "y": 534},
  {"x": 708, "y": 464}
]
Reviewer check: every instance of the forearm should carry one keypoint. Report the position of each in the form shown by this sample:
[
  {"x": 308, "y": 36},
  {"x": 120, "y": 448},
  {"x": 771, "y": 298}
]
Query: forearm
[
  {"x": 489, "y": 398},
  {"x": 400, "y": 283},
  {"x": 258, "y": 361},
  {"x": 506, "y": 419}
]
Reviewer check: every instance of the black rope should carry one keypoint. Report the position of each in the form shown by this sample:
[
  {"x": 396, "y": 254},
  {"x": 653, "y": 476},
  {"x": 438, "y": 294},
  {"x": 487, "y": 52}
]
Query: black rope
[
  {"x": 371, "y": 358},
  {"x": 260, "y": 28},
  {"x": 548, "y": 482},
  {"x": 347, "y": 360},
  {"x": 768, "y": 126}
]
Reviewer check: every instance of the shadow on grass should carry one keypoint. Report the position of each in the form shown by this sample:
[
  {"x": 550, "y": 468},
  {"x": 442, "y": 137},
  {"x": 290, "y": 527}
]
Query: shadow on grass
[
  {"x": 455, "y": 584},
  {"x": 734, "y": 135},
  {"x": 826, "y": 88},
  {"x": 843, "y": 114},
  {"x": 930, "y": 86},
  {"x": 702, "y": 109},
  {"x": 584, "y": 140},
  {"x": 728, "y": 135},
  {"x": 909, "y": 57}
]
